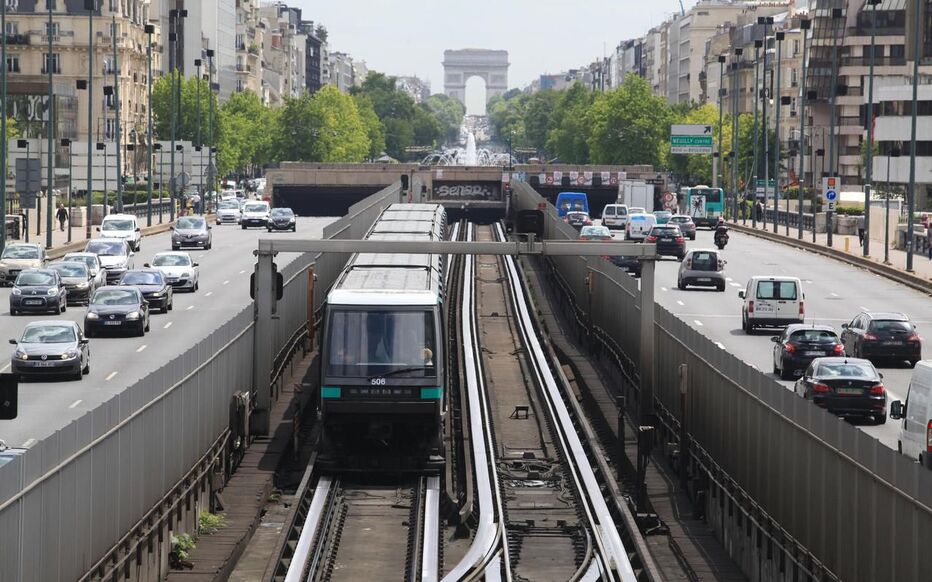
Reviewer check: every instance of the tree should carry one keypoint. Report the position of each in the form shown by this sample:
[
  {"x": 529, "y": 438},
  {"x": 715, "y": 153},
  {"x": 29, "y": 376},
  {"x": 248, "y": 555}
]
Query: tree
[
  {"x": 246, "y": 128},
  {"x": 567, "y": 138},
  {"x": 187, "y": 120},
  {"x": 449, "y": 113},
  {"x": 341, "y": 133},
  {"x": 537, "y": 117},
  {"x": 374, "y": 128},
  {"x": 629, "y": 125},
  {"x": 427, "y": 130}
]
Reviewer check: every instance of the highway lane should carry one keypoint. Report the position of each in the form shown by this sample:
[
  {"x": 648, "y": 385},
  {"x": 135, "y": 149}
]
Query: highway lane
[
  {"x": 834, "y": 294},
  {"x": 47, "y": 406}
]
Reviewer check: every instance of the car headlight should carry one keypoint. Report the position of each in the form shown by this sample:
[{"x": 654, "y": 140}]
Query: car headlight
[
  {"x": 187, "y": 274},
  {"x": 70, "y": 355},
  {"x": 20, "y": 354},
  {"x": 17, "y": 291},
  {"x": 132, "y": 316},
  {"x": 84, "y": 285},
  {"x": 92, "y": 315},
  {"x": 52, "y": 291},
  {"x": 157, "y": 294}
]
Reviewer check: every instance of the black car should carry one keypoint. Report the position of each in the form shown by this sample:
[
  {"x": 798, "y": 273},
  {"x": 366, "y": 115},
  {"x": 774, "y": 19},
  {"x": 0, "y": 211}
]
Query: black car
[
  {"x": 154, "y": 286},
  {"x": 117, "y": 309},
  {"x": 669, "y": 240},
  {"x": 630, "y": 264},
  {"x": 282, "y": 219},
  {"x": 77, "y": 280},
  {"x": 877, "y": 336},
  {"x": 577, "y": 219},
  {"x": 686, "y": 224},
  {"x": 38, "y": 291},
  {"x": 849, "y": 387},
  {"x": 799, "y": 344}
]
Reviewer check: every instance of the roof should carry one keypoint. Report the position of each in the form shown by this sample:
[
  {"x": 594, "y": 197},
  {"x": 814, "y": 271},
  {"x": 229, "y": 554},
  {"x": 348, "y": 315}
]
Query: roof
[
  {"x": 44, "y": 322},
  {"x": 815, "y": 326},
  {"x": 887, "y": 315}
]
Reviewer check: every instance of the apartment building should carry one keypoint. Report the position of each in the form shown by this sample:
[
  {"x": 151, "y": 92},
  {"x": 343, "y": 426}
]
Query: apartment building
[
  {"x": 283, "y": 52},
  {"x": 250, "y": 37}
]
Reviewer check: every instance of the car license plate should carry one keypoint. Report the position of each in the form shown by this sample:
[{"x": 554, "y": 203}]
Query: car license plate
[
  {"x": 850, "y": 391},
  {"x": 113, "y": 322},
  {"x": 763, "y": 308},
  {"x": 704, "y": 279},
  {"x": 44, "y": 364},
  {"x": 815, "y": 353},
  {"x": 32, "y": 302},
  {"x": 892, "y": 343}
]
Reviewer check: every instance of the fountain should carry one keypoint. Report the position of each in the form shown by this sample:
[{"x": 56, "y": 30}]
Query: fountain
[
  {"x": 471, "y": 159},
  {"x": 471, "y": 154}
]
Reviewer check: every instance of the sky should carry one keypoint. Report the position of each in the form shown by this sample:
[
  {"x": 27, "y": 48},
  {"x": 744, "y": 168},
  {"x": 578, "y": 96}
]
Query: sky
[{"x": 541, "y": 36}]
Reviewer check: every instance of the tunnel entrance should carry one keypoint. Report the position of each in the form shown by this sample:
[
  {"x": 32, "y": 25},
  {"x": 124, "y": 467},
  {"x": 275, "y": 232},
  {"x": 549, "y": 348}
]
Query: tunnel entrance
[{"x": 321, "y": 200}]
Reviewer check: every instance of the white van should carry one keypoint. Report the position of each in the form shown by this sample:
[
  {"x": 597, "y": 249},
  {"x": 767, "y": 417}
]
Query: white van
[
  {"x": 123, "y": 226},
  {"x": 915, "y": 440},
  {"x": 772, "y": 302},
  {"x": 638, "y": 225},
  {"x": 615, "y": 216}
]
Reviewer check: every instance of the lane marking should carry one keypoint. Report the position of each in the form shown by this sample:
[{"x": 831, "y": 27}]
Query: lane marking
[
  {"x": 167, "y": 325},
  {"x": 140, "y": 348},
  {"x": 111, "y": 375},
  {"x": 729, "y": 279},
  {"x": 75, "y": 403},
  {"x": 226, "y": 282},
  {"x": 242, "y": 272},
  {"x": 697, "y": 322},
  {"x": 29, "y": 443},
  {"x": 834, "y": 294},
  {"x": 208, "y": 294},
  {"x": 680, "y": 303},
  {"x": 735, "y": 284},
  {"x": 864, "y": 308},
  {"x": 5, "y": 366},
  {"x": 189, "y": 308},
  {"x": 664, "y": 289},
  {"x": 720, "y": 345}
]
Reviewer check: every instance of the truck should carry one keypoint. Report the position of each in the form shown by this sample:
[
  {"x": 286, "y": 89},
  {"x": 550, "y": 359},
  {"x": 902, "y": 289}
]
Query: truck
[{"x": 636, "y": 194}]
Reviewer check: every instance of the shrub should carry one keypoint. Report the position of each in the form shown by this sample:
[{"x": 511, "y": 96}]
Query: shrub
[
  {"x": 181, "y": 545},
  {"x": 208, "y": 523}
]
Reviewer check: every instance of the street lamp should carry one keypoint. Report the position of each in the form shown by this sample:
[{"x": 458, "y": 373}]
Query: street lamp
[
  {"x": 767, "y": 21},
  {"x": 66, "y": 143},
  {"x": 197, "y": 146},
  {"x": 869, "y": 170},
  {"x": 24, "y": 144},
  {"x": 3, "y": 114},
  {"x": 777, "y": 92},
  {"x": 735, "y": 91},
  {"x": 804, "y": 25},
  {"x": 50, "y": 136},
  {"x": 150, "y": 29},
  {"x": 837, "y": 14},
  {"x": 911, "y": 192},
  {"x": 173, "y": 16},
  {"x": 91, "y": 7},
  {"x": 102, "y": 147},
  {"x": 719, "y": 176},
  {"x": 118, "y": 136},
  {"x": 820, "y": 154},
  {"x": 758, "y": 43},
  {"x": 894, "y": 153},
  {"x": 157, "y": 147},
  {"x": 211, "y": 171}
]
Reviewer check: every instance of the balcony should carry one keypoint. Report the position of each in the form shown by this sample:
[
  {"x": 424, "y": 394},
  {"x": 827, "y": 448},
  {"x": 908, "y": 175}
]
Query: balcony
[
  {"x": 17, "y": 39},
  {"x": 878, "y": 62},
  {"x": 850, "y": 121}
]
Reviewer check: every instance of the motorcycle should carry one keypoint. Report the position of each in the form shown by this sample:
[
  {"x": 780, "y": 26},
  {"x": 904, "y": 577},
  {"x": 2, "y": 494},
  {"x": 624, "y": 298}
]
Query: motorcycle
[{"x": 721, "y": 239}]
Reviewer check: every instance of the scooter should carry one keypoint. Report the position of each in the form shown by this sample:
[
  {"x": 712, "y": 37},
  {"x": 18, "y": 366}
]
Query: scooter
[{"x": 721, "y": 239}]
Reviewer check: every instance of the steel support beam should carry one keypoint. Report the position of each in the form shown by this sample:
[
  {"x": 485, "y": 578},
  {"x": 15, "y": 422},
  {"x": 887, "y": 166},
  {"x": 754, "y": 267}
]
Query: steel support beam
[
  {"x": 646, "y": 363},
  {"x": 262, "y": 347},
  {"x": 552, "y": 248}
]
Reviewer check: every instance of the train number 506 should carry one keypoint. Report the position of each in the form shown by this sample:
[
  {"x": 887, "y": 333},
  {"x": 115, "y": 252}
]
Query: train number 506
[{"x": 377, "y": 381}]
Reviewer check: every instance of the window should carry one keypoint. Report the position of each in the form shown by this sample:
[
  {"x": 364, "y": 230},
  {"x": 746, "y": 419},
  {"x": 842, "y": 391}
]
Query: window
[
  {"x": 12, "y": 64},
  {"x": 795, "y": 47},
  {"x": 794, "y": 77},
  {"x": 897, "y": 51},
  {"x": 53, "y": 29},
  {"x": 371, "y": 343},
  {"x": 51, "y": 4},
  {"x": 776, "y": 290},
  {"x": 55, "y": 63},
  {"x": 12, "y": 28},
  {"x": 110, "y": 128},
  {"x": 108, "y": 65}
]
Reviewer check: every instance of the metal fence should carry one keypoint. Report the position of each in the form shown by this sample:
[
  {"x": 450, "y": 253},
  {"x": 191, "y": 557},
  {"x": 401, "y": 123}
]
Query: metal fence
[
  {"x": 66, "y": 502},
  {"x": 825, "y": 499}
]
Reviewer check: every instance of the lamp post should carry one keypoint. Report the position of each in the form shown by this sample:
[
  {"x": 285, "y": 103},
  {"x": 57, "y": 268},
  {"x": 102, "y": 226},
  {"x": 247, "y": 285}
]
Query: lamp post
[
  {"x": 173, "y": 16},
  {"x": 766, "y": 21},
  {"x": 719, "y": 176},
  {"x": 150, "y": 29},
  {"x": 108, "y": 92},
  {"x": 804, "y": 25},
  {"x": 158, "y": 147},
  {"x": 777, "y": 91},
  {"x": 911, "y": 192},
  {"x": 735, "y": 123},
  {"x": 119, "y": 133},
  {"x": 820, "y": 154},
  {"x": 211, "y": 173},
  {"x": 869, "y": 169},
  {"x": 197, "y": 144},
  {"x": 66, "y": 143},
  {"x": 758, "y": 43},
  {"x": 91, "y": 7},
  {"x": 24, "y": 144},
  {"x": 3, "y": 114},
  {"x": 50, "y": 137},
  {"x": 102, "y": 147},
  {"x": 894, "y": 153},
  {"x": 837, "y": 14}
]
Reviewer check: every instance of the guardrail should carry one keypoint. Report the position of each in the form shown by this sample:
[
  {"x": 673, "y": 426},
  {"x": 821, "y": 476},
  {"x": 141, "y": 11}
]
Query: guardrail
[{"x": 780, "y": 480}]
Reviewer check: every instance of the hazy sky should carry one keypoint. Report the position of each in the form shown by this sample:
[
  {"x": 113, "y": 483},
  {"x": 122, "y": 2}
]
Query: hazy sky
[{"x": 541, "y": 36}]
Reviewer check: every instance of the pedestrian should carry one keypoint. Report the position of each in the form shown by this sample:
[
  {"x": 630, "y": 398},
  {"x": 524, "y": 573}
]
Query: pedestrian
[
  {"x": 861, "y": 221},
  {"x": 62, "y": 216},
  {"x": 929, "y": 240},
  {"x": 759, "y": 208}
]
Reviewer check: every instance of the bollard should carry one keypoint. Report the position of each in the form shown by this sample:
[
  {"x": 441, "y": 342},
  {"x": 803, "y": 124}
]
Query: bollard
[{"x": 847, "y": 243}]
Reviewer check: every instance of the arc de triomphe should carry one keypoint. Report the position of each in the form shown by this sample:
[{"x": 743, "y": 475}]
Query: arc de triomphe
[{"x": 460, "y": 65}]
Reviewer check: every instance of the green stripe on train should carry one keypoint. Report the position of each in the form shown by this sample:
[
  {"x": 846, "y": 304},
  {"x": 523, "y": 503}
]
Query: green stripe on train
[
  {"x": 432, "y": 393},
  {"x": 331, "y": 392}
]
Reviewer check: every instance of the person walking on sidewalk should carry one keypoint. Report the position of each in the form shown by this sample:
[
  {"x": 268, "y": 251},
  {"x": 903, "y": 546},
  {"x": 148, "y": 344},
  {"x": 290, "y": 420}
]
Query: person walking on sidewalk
[
  {"x": 929, "y": 241},
  {"x": 861, "y": 220},
  {"x": 62, "y": 216}
]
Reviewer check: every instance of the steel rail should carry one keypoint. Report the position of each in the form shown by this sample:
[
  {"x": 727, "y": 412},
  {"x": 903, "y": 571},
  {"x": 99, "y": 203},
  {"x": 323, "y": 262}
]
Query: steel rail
[
  {"x": 606, "y": 533},
  {"x": 299, "y": 561},
  {"x": 430, "y": 552},
  {"x": 489, "y": 531}
]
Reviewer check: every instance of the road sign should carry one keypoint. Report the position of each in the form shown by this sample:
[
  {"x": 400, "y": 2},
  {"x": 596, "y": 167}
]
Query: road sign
[
  {"x": 27, "y": 175},
  {"x": 830, "y": 189},
  {"x": 691, "y": 139},
  {"x": 767, "y": 192}
]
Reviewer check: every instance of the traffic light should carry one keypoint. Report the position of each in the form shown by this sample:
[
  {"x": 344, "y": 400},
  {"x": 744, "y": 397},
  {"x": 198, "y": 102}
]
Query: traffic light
[{"x": 279, "y": 284}]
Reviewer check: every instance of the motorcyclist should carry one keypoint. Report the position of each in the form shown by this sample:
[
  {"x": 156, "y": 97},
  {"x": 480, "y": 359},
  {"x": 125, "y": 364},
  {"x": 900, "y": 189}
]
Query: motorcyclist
[{"x": 721, "y": 229}]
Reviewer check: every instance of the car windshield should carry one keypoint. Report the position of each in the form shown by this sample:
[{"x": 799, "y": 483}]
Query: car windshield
[
  {"x": 785, "y": 290},
  {"x": 256, "y": 208},
  {"x": 88, "y": 260},
  {"x": 171, "y": 261},
  {"x": 577, "y": 215},
  {"x": 20, "y": 252},
  {"x": 190, "y": 223},
  {"x": 704, "y": 260},
  {"x": 664, "y": 231},
  {"x": 115, "y": 297},
  {"x": 28, "y": 279},
  {"x": 681, "y": 219},
  {"x": 846, "y": 370},
  {"x": 595, "y": 232},
  {"x": 820, "y": 336},
  {"x": 282, "y": 213},
  {"x": 48, "y": 334},
  {"x": 141, "y": 278},
  {"x": 367, "y": 343},
  {"x": 70, "y": 269},
  {"x": 890, "y": 326},
  {"x": 118, "y": 224},
  {"x": 229, "y": 205},
  {"x": 106, "y": 248}
]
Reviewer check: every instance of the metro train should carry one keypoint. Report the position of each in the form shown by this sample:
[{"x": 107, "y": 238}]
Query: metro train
[{"x": 382, "y": 373}]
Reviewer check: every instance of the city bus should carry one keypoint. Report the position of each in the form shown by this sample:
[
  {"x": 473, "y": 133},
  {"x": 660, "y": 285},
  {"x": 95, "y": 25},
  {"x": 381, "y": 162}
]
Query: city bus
[{"x": 705, "y": 205}]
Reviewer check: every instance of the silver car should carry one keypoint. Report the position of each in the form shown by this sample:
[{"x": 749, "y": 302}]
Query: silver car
[
  {"x": 180, "y": 270},
  {"x": 229, "y": 212},
  {"x": 19, "y": 257},
  {"x": 93, "y": 265},
  {"x": 191, "y": 231},
  {"x": 702, "y": 268},
  {"x": 51, "y": 347}
]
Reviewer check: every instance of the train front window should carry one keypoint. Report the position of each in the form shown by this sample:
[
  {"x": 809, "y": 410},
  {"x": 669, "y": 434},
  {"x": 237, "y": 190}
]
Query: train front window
[{"x": 372, "y": 343}]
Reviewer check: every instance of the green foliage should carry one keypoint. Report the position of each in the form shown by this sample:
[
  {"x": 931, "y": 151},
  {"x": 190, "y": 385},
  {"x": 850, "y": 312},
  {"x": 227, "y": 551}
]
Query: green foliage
[
  {"x": 12, "y": 132},
  {"x": 374, "y": 128},
  {"x": 208, "y": 523},
  {"x": 568, "y": 136},
  {"x": 849, "y": 210},
  {"x": 449, "y": 113},
  {"x": 245, "y": 132},
  {"x": 629, "y": 125},
  {"x": 182, "y": 544},
  {"x": 427, "y": 129},
  {"x": 187, "y": 120},
  {"x": 325, "y": 127},
  {"x": 538, "y": 112}
]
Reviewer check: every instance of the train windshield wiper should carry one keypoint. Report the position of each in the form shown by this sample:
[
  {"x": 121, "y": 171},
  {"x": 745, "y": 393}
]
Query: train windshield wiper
[{"x": 402, "y": 371}]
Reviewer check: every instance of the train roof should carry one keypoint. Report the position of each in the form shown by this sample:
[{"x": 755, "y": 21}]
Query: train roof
[{"x": 409, "y": 227}]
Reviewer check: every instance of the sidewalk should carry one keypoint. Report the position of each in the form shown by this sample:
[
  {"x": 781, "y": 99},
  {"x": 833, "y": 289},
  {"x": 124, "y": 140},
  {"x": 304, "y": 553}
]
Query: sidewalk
[{"x": 922, "y": 266}]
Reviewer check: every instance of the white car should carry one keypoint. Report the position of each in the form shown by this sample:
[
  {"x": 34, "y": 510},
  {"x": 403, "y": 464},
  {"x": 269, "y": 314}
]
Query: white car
[
  {"x": 915, "y": 440},
  {"x": 122, "y": 226},
  {"x": 181, "y": 271},
  {"x": 615, "y": 216},
  {"x": 772, "y": 302},
  {"x": 229, "y": 212},
  {"x": 639, "y": 225},
  {"x": 255, "y": 213}
]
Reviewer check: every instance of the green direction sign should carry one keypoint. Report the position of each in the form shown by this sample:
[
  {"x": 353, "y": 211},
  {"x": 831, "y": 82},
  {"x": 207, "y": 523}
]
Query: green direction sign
[{"x": 691, "y": 144}]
